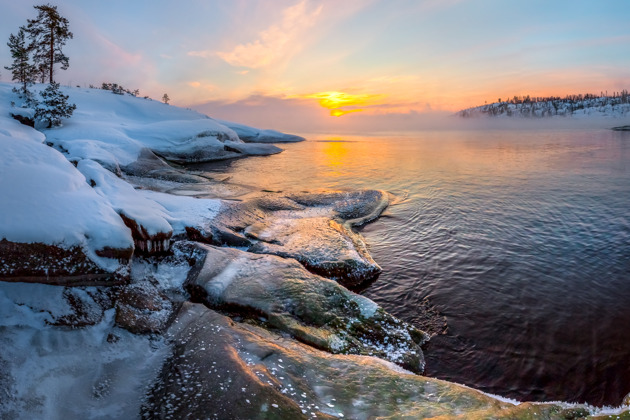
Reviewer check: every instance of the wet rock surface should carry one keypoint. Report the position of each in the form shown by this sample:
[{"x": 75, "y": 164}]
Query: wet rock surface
[
  {"x": 51, "y": 264},
  {"x": 224, "y": 369},
  {"x": 142, "y": 309},
  {"x": 310, "y": 308}
]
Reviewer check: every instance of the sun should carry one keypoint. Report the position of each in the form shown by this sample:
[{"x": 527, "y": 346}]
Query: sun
[{"x": 341, "y": 103}]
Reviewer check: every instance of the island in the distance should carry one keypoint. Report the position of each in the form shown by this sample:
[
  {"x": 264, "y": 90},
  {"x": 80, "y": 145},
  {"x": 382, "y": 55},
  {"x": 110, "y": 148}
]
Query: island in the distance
[
  {"x": 615, "y": 105},
  {"x": 131, "y": 287}
]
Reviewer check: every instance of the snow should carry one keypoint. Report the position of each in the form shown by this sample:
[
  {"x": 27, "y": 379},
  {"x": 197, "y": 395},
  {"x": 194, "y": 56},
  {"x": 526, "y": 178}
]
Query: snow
[
  {"x": 182, "y": 211},
  {"x": 124, "y": 198},
  {"x": 45, "y": 199},
  {"x": 118, "y": 127},
  {"x": 49, "y": 378}
]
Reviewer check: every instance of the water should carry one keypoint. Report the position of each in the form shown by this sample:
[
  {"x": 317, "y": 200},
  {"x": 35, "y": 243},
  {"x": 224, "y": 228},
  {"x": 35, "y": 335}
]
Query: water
[{"x": 520, "y": 239}]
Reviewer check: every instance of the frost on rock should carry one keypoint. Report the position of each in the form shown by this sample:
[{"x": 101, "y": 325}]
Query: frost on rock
[
  {"x": 314, "y": 310},
  {"x": 222, "y": 369}
]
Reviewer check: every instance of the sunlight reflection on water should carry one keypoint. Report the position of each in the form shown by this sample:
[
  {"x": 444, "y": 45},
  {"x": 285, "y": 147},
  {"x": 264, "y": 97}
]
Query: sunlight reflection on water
[{"x": 520, "y": 238}]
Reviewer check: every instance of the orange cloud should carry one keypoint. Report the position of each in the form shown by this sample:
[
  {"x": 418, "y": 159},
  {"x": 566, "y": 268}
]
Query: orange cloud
[{"x": 276, "y": 42}]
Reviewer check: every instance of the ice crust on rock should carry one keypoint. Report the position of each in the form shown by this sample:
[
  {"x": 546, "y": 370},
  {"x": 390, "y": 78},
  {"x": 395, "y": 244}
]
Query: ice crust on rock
[
  {"x": 314, "y": 310},
  {"x": 312, "y": 228},
  {"x": 56, "y": 372}
]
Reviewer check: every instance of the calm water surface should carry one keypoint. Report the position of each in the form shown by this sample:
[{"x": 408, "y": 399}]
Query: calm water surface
[{"x": 520, "y": 239}]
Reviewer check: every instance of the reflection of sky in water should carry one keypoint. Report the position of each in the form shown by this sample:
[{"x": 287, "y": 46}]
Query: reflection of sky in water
[{"x": 520, "y": 238}]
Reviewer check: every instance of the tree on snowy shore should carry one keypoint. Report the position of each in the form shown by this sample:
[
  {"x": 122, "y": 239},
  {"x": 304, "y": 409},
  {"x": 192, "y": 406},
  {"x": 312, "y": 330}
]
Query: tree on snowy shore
[
  {"x": 22, "y": 70},
  {"x": 54, "y": 106},
  {"x": 48, "y": 33}
]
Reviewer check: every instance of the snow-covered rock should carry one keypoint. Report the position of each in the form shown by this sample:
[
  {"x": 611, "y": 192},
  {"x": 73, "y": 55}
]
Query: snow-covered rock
[
  {"x": 53, "y": 225},
  {"x": 255, "y": 135},
  {"x": 113, "y": 129},
  {"x": 92, "y": 370}
]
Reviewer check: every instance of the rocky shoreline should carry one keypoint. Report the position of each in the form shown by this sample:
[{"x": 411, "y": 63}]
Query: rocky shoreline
[
  {"x": 131, "y": 287},
  {"x": 255, "y": 329}
]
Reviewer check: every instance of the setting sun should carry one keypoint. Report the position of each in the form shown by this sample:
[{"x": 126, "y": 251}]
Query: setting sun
[{"x": 341, "y": 103}]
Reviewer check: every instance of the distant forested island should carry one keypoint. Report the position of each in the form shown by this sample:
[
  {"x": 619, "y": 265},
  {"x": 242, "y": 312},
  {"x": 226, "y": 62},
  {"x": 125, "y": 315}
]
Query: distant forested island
[{"x": 614, "y": 105}]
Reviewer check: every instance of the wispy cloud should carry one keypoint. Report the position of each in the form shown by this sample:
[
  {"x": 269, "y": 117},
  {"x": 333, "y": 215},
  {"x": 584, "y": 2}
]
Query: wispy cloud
[{"x": 275, "y": 43}]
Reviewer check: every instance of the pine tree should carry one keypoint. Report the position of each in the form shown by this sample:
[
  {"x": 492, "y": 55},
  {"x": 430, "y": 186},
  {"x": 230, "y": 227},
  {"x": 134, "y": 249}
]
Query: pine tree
[
  {"x": 54, "y": 106},
  {"x": 165, "y": 99},
  {"x": 22, "y": 70},
  {"x": 48, "y": 34}
]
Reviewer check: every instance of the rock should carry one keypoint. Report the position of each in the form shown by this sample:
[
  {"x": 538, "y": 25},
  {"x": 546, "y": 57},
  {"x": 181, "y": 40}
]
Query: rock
[
  {"x": 227, "y": 370},
  {"x": 87, "y": 307},
  {"x": 314, "y": 310},
  {"x": 149, "y": 165},
  {"x": 255, "y": 135},
  {"x": 313, "y": 228},
  {"x": 146, "y": 243},
  {"x": 24, "y": 120},
  {"x": 142, "y": 309},
  {"x": 224, "y": 149},
  {"x": 322, "y": 245},
  {"x": 51, "y": 264}
]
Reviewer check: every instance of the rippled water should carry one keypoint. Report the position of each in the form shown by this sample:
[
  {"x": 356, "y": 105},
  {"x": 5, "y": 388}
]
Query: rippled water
[{"x": 520, "y": 239}]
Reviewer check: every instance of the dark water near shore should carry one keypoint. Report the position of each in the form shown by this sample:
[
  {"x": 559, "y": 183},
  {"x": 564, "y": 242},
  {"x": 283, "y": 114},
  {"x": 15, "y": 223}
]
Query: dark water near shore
[{"x": 521, "y": 239}]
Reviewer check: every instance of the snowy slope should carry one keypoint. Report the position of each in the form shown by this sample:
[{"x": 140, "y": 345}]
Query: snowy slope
[
  {"x": 64, "y": 196},
  {"x": 113, "y": 129},
  {"x": 45, "y": 199}
]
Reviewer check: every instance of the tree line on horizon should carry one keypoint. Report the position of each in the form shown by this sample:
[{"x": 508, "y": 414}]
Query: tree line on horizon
[{"x": 547, "y": 106}]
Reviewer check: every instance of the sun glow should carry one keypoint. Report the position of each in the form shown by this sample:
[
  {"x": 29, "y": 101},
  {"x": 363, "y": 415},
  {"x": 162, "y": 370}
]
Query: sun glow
[{"x": 341, "y": 103}]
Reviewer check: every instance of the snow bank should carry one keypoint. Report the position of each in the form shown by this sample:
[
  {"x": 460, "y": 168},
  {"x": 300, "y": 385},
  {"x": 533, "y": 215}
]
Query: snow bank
[
  {"x": 112, "y": 129},
  {"x": 45, "y": 199}
]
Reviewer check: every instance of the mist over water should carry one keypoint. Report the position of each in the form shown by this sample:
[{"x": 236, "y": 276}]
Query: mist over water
[{"x": 519, "y": 238}]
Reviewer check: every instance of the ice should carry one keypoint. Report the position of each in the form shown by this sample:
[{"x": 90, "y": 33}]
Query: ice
[{"x": 59, "y": 373}]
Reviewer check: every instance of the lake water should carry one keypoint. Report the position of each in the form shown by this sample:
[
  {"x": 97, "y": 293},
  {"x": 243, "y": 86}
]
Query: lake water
[{"x": 519, "y": 239}]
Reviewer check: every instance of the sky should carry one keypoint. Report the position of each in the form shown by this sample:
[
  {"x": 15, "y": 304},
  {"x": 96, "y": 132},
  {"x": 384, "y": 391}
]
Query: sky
[{"x": 330, "y": 65}]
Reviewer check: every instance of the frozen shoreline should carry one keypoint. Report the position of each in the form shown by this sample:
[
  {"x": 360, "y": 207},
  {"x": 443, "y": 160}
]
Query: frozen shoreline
[{"x": 314, "y": 323}]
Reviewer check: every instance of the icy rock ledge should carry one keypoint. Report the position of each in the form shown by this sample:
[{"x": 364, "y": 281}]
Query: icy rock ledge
[
  {"x": 312, "y": 228},
  {"x": 310, "y": 308},
  {"x": 219, "y": 368}
]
